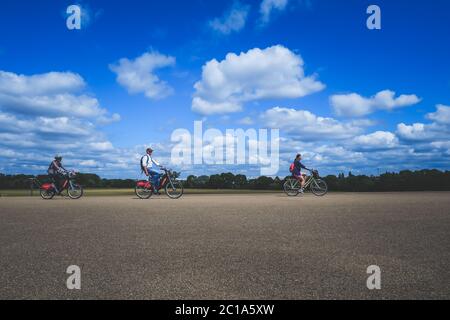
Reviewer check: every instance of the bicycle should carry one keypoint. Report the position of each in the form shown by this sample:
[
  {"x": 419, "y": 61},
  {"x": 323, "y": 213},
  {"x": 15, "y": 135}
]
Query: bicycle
[
  {"x": 49, "y": 190},
  {"x": 172, "y": 187},
  {"x": 318, "y": 186}
]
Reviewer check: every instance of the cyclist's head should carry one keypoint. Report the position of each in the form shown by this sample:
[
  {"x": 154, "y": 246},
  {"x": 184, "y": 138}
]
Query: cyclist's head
[
  {"x": 58, "y": 158},
  {"x": 149, "y": 150},
  {"x": 298, "y": 157}
]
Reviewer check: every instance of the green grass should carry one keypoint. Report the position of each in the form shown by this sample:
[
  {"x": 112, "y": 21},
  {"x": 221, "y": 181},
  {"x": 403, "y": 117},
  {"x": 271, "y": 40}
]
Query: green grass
[{"x": 130, "y": 192}]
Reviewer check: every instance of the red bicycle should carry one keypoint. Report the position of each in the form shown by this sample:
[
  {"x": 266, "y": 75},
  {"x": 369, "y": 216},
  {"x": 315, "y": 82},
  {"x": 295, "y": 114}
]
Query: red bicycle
[
  {"x": 49, "y": 190},
  {"x": 172, "y": 187}
]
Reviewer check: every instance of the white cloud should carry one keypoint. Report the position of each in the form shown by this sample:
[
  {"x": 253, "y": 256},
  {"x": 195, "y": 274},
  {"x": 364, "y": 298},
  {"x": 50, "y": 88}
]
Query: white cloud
[
  {"x": 333, "y": 155},
  {"x": 377, "y": 140},
  {"x": 50, "y": 94},
  {"x": 422, "y": 132},
  {"x": 89, "y": 163},
  {"x": 268, "y": 6},
  {"x": 442, "y": 114},
  {"x": 417, "y": 131},
  {"x": 354, "y": 105},
  {"x": 232, "y": 21},
  {"x": 307, "y": 125},
  {"x": 53, "y": 105},
  {"x": 247, "y": 121},
  {"x": 442, "y": 145},
  {"x": 138, "y": 75},
  {"x": 101, "y": 146},
  {"x": 45, "y": 114},
  {"x": 39, "y": 84},
  {"x": 274, "y": 72}
]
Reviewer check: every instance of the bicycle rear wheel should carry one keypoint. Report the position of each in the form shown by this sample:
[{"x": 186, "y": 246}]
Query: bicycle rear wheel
[
  {"x": 143, "y": 192},
  {"x": 319, "y": 187},
  {"x": 291, "y": 188},
  {"x": 47, "y": 194}
]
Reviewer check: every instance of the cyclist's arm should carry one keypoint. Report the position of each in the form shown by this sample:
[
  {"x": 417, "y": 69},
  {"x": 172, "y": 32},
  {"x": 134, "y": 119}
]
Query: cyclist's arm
[
  {"x": 156, "y": 163},
  {"x": 58, "y": 168},
  {"x": 303, "y": 166}
]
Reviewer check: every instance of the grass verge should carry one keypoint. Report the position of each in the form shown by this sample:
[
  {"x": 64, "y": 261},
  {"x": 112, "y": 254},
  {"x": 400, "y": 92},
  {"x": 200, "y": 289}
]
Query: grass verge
[{"x": 130, "y": 192}]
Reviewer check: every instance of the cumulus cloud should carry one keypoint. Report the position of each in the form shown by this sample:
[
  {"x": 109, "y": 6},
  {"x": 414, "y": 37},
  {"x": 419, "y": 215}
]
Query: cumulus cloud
[
  {"x": 307, "y": 125},
  {"x": 50, "y": 94},
  {"x": 40, "y": 84},
  {"x": 138, "y": 75},
  {"x": 422, "y": 132},
  {"x": 274, "y": 72},
  {"x": 268, "y": 6},
  {"x": 246, "y": 121},
  {"x": 355, "y": 105},
  {"x": 378, "y": 140},
  {"x": 233, "y": 20},
  {"x": 45, "y": 114},
  {"x": 340, "y": 146},
  {"x": 442, "y": 114},
  {"x": 442, "y": 145}
]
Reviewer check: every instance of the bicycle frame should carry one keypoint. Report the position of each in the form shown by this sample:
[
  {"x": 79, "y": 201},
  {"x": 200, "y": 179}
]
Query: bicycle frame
[
  {"x": 164, "y": 180},
  {"x": 296, "y": 184},
  {"x": 47, "y": 186},
  {"x": 67, "y": 183}
]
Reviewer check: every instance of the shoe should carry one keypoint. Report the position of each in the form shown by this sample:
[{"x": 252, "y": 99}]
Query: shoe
[{"x": 301, "y": 191}]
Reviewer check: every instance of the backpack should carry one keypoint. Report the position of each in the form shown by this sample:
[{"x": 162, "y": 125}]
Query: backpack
[
  {"x": 140, "y": 163},
  {"x": 51, "y": 168},
  {"x": 292, "y": 167}
]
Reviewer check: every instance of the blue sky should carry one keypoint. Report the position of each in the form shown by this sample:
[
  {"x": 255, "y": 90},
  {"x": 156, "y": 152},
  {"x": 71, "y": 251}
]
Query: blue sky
[{"x": 347, "y": 97}]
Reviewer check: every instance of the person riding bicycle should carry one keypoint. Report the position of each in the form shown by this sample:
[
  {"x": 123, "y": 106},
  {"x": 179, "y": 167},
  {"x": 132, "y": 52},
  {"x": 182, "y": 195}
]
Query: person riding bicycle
[
  {"x": 56, "y": 172},
  {"x": 297, "y": 171},
  {"x": 153, "y": 175}
]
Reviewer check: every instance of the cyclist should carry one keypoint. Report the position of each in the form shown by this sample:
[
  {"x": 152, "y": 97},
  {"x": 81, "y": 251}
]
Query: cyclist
[
  {"x": 153, "y": 175},
  {"x": 297, "y": 171},
  {"x": 56, "y": 172}
]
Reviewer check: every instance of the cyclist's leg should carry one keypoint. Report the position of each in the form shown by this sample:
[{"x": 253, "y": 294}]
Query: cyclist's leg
[
  {"x": 303, "y": 180},
  {"x": 54, "y": 180},
  {"x": 59, "y": 182},
  {"x": 155, "y": 176},
  {"x": 300, "y": 179}
]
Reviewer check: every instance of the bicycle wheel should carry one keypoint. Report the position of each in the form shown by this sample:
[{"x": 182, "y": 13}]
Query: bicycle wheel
[
  {"x": 143, "y": 192},
  {"x": 290, "y": 188},
  {"x": 319, "y": 187},
  {"x": 174, "y": 189},
  {"x": 47, "y": 194},
  {"x": 75, "y": 191}
]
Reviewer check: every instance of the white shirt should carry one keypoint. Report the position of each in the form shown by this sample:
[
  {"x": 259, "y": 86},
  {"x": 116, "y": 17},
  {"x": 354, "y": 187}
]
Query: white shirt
[{"x": 148, "y": 161}]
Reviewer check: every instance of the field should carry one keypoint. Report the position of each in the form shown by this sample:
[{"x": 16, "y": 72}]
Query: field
[
  {"x": 130, "y": 192},
  {"x": 231, "y": 246}
]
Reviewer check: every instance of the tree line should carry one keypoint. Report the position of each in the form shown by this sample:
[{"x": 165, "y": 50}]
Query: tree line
[{"x": 433, "y": 180}]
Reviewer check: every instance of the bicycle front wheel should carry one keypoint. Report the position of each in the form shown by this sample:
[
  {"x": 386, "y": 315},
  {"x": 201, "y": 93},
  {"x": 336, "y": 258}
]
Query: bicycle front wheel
[
  {"x": 291, "y": 188},
  {"x": 174, "y": 189},
  {"x": 75, "y": 191},
  {"x": 319, "y": 187}
]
